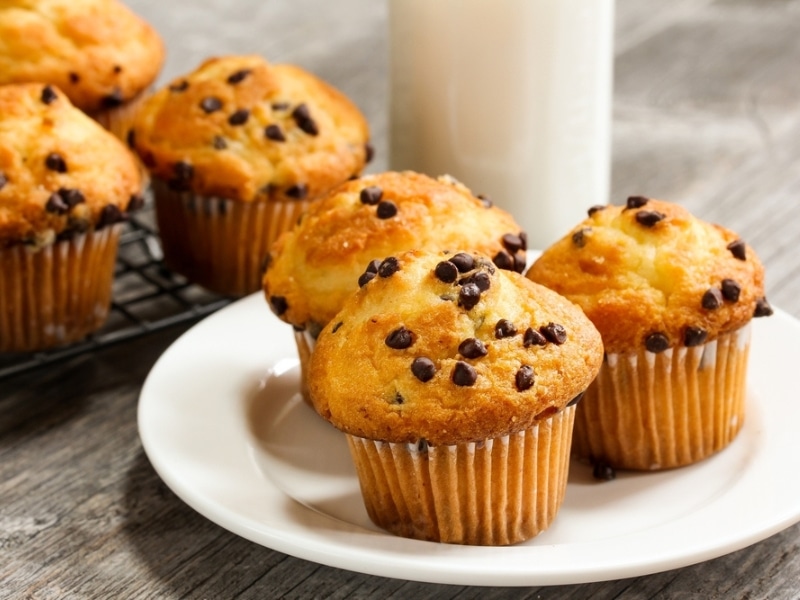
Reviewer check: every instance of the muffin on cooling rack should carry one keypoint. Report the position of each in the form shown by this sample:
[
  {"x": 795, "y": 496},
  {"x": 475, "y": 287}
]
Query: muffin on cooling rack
[
  {"x": 672, "y": 297},
  {"x": 66, "y": 184},
  {"x": 98, "y": 52},
  {"x": 320, "y": 263},
  {"x": 455, "y": 383},
  {"x": 238, "y": 149}
]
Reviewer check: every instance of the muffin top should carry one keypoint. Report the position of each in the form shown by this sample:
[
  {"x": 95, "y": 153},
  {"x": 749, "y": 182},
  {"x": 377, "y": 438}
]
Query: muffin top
[
  {"x": 60, "y": 172},
  {"x": 97, "y": 51},
  {"x": 314, "y": 268},
  {"x": 651, "y": 274},
  {"x": 241, "y": 128},
  {"x": 447, "y": 348}
]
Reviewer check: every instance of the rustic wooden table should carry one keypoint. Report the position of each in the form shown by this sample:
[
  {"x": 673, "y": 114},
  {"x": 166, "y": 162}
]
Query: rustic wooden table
[{"x": 706, "y": 112}]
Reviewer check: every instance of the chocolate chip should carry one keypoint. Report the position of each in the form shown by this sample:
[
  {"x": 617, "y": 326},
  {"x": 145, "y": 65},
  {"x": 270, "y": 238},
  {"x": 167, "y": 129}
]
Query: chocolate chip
[
  {"x": 114, "y": 99},
  {"x": 117, "y": 69},
  {"x": 520, "y": 260},
  {"x": 386, "y": 209},
  {"x": 210, "y": 104},
  {"x": 3, "y": 180},
  {"x": 524, "y": 239},
  {"x": 135, "y": 202},
  {"x": 71, "y": 197},
  {"x": 423, "y": 369},
  {"x": 656, "y": 342},
  {"x": 365, "y": 278},
  {"x": 504, "y": 328},
  {"x": 763, "y": 308},
  {"x": 74, "y": 77},
  {"x": 274, "y": 133},
  {"x": 595, "y": 208},
  {"x": 576, "y": 399},
  {"x": 504, "y": 260},
  {"x": 712, "y": 299},
  {"x": 373, "y": 266},
  {"x": 55, "y": 162},
  {"x": 649, "y": 218},
  {"x": 446, "y": 272},
  {"x": 219, "y": 143},
  {"x": 49, "y": 95},
  {"x": 603, "y": 471},
  {"x": 180, "y": 86},
  {"x": 239, "y": 117},
  {"x": 469, "y": 295},
  {"x": 636, "y": 202},
  {"x": 579, "y": 237},
  {"x": 481, "y": 279},
  {"x": 472, "y": 348},
  {"x": 371, "y": 195},
  {"x": 399, "y": 339},
  {"x": 369, "y": 152},
  {"x": 398, "y": 398},
  {"x": 464, "y": 262},
  {"x": 336, "y": 327},
  {"x": 183, "y": 170},
  {"x": 389, "y": 266},
  {"x": 531, "y": 337},
  {"x": 238, "y": 76},
  {"x": 464, "y": 374},
  {"x": 110, "y": 215},
  {"x": 731, "y": 290},
  {"x": 512, "y": 242},
  {"x": 56, "y": 205},
  {"x": 302, "y": 116},
  {"x": 279, "y": 304},
  {"x": 486, "y": 201},
  {"x": 131, "y": 139},
  {"x": 280, "y": 106},
  {"x": 298, "y": 191},
  {"x": 554, "y": 333},
  {"x": 524, "y": 378},
  {"x": 694, "y": 336},
  {"x": 738, "y": 249}
]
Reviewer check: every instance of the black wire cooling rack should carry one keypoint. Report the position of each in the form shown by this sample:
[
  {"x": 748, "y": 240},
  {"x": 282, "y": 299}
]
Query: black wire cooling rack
[{"x": 146, "y": 297}]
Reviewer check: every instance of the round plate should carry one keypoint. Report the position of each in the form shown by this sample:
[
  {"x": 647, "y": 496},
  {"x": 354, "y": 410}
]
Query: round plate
[{"x": 222, "y": 422}]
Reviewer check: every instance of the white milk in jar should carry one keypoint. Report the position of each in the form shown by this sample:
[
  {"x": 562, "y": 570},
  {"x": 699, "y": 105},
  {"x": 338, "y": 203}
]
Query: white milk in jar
[{"x": 511, "y": 97}]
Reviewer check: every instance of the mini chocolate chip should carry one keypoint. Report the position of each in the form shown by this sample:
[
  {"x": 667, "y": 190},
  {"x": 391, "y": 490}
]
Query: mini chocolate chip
[
  {"x": 554, "y": 333},
  {"x": 371, "y": 195},
  {"x": 389, "y": 266},
  {"x": 649, "y": 218},
  {"x": 486, "y": 201},
  {"x": 464, "y": 262},
  {"x": 280, "y": 106},
  {"x": 731, "y": 290},
  {"x": 656, "y": 342},
  {"x": 49, "y": 95},
  {"x": 636, "y": 202},
  {"x": 110, "y": 215},
  {"x": 694, "y": 336},
  {"x": 481, "y": 279},
  {"x": 373, "y": 266},
  {"x": 55, "y": 162},
  {"x": 279, "y": 304},
  {"x": 603, "y": 471},
  {"x": 365, "y": 278},
  {"x": 135, "y": 202},
  {"x": 595, "y": 208},
  {"x": 3, "y": 180},
  {"x": 210, "y": 104},
  {"x": 763, "y": 308},
  {"x": 274, "y": 133},
  {"x": 114, "y": 99},
  {"x": 238, "y": 76},
  {"x": 71, "y": 197},
  {"x": 183, "y": 170},
  {"x": 117, "y": 69},
  {"x": 512, "y": 242},
  {"x": 56, "y": 205},
  {"x": 423, "y": 369},
  {"x": 504, "y": 328},
  {"x": 712, "y": 299},
  {"x": 399, "y": 339},
  {"x": 576, "y": 399},
  {"x": 302, "y": 116},
  {"x": 472, "y": 348},
  {"x": 74, "y": 77},
  {"x": 446, "y": 272},
  {"x": 336, "y": 327},
  {"x": 531, "y": 337},
  {"x": 386, "y": 209},
  {"x": 398, "y": 398},
  {"x": 298, "y": 191},
  {"x": 369, "y": 152},
  {"x": 469, "y": 295},
  {"x": 464, "y": 374},
  {"x": 239, "y": 117},
  {"x": 524, "y": 378},
  {"x": 219, "y": 143},
  {"x": 579, "y": 237},
  {"x": 180, "y": 86},
  {"x": 738, "y": 249},
  {"x": 504, "y": 260}
]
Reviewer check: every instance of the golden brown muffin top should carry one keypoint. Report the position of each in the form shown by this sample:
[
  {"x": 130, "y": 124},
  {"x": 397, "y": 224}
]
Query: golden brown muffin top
[
  {"x": 60, "y": 172},
  {"x": 241, "y": 128},
  {"x": 447, "y": 348},
  {"x": 315, "y": 267},
  {"x": 97, "y": 51},
  {"x": 649, "y": 273}
]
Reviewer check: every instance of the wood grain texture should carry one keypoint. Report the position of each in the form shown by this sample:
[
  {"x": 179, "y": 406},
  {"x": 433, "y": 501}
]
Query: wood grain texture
[{"x": 706, "y": 113}]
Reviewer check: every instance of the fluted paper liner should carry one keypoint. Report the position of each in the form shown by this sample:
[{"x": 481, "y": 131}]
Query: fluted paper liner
[
  {"x": 650, "y": 411},
  {"x": 305, "y": 346},
  {"x": 220, "y": 243},
  {"x": 57, "y": 294},
  {"x": 119, "y": 119},
  {"x": 497, "y": 492}
]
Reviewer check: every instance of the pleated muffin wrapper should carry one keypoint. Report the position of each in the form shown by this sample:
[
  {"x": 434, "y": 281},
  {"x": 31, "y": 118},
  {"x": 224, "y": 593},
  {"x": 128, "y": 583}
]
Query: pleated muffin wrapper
[
  {"x": 650, "y": 411},
  {"x": 217, "y": 242},
  {"x": 56, "y": 294},
  {"x": 496, "y": 492},
  {"x": 305, "y": 346},
  {"x": 119, "y": 119}
]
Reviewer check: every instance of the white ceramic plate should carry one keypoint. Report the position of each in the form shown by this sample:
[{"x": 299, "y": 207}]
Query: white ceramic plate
[{"x": 222, "y": 423}]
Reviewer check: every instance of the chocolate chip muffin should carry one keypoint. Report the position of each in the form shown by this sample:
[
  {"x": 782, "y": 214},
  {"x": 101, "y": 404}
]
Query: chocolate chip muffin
[
  {"x": 672, "y": 297},
  {"x": 98, "y": 52},
  {"x": 339, "y": 243},
  {"x": 455, "y": 383},
  {"x": 238, "y": 149},
  {"x": 65, "y": 185}
]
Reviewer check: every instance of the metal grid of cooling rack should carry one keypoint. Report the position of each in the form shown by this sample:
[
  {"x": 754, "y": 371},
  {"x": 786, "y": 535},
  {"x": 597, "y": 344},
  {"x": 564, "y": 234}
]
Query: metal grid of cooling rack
[{"x": 146, "y": 297}]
